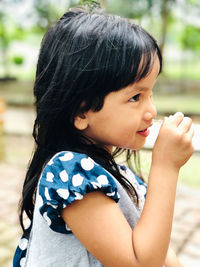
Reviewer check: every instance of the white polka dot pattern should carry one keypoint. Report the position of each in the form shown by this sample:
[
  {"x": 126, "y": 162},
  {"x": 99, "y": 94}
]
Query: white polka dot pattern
[
  {"x": 53, "y": 206},
  {"x": 23, "y": 244},
  {"x": 102, "y": 179},
  {"x": 64, "y": 176},
  {"x": 77, "y": 180},
  {"x": 50, "y": 177},
  {"x": 87, "y": 164},
  {"x": 67, "y": 227},
  {"x": 46, "y": 193},
  {"x": 95, "y": 185},
  {"x": 22, "y": 262},
  {"x": 63, "y": 193},
  {"x": 68, "y": 179},
  {"x": 50, "y": 162},
  {"x": 110, "y": 194},
  {"x": 67, "y": 156},
  {"x": 48, "y": 220},
  {"x": 78, "y": 196}
]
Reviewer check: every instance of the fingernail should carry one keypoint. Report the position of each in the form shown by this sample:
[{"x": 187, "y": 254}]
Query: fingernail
[{"x": 179, "y": 113}]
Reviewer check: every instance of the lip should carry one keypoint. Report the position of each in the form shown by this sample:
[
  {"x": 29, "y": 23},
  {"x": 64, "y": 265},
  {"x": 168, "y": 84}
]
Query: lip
[{"x": 144, "y": 132}]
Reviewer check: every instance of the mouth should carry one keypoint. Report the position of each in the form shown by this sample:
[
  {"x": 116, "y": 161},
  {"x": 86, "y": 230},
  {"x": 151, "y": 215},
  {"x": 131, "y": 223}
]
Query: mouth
[{"x": 144, "y": 132}]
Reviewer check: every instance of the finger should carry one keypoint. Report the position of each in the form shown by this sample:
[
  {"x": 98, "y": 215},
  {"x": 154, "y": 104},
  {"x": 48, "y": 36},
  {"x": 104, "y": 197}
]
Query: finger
[
  {"x": 189, "y": 136},
  {"x": 176, "y": 119},
  {"x": 190, "y": 133},
  {"x": 185, "y": 125}
]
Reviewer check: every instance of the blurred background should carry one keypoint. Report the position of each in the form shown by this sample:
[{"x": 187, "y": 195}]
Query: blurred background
[{"x": 176, "y": 26}]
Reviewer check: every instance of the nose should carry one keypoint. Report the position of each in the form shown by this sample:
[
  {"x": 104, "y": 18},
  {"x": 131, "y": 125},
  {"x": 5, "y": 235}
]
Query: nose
[{"x": 150, "y": 112}]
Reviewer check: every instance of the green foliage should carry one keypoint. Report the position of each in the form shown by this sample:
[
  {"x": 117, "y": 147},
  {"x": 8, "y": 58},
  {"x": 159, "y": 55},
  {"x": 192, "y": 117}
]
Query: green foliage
[
  {"x": 129, "y": 8},
  {"x": 9, "y": 30},
  {"x": 47, "y": 12},
  {"x": 91, "y": 4},
  {"x": 193, "y": 2},
  {"x": 191, "y": 38},
  {"x": 18, "y": 60},
  {"x": 179, "y": 70}
]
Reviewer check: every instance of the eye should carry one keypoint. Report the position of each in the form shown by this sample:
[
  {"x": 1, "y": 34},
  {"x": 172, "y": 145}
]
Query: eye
[{"x": 135, "y": 98}]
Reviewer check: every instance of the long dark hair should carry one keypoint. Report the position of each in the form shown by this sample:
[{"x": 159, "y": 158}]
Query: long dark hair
[{"x": 85, "y": 56}]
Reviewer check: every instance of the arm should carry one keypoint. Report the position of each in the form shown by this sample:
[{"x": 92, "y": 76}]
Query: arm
[
  {"x": 101, "y": 227},
  {"x": 162, "y": 188}
]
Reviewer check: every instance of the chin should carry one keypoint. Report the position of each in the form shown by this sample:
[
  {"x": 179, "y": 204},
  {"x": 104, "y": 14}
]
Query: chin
[
  {"x": 138, "y": 147},
  {"x": 134, "y": 148}
]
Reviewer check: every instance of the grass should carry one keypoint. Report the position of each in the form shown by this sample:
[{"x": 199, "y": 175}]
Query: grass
[{"x": 189, "y": 173}]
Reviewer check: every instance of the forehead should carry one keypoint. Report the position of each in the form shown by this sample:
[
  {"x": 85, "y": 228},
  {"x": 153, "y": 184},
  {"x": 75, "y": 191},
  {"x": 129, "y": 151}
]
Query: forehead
[{"x": 148, "y": 81}]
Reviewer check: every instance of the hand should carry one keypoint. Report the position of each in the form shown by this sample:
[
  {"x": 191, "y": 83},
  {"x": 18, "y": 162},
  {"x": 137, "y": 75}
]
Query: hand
[{"x": 173, "y": 146}]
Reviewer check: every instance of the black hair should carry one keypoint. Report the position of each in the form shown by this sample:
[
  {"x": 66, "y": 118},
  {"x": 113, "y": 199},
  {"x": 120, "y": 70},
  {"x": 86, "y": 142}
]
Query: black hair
[{"x": 85, "y": 56}]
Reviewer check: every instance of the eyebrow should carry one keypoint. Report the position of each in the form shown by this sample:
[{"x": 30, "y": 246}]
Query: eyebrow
[
  {"x": 140, "y": 88},
  {"x": 137, "y": 88}
]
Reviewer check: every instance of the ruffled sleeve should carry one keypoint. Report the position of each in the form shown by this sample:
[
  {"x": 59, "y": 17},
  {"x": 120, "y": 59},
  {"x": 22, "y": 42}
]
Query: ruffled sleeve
[{"x": 67, "y": 177}]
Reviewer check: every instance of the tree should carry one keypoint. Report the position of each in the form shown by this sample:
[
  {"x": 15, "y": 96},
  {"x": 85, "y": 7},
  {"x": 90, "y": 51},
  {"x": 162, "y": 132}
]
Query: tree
[
  {"x": 191, "y": 38},
  {"x": 146, "y": 9},
  {"x": 128, "y": 8},
  {"x": 9, "y": 30},
  {"x": 47, "y": 12}
]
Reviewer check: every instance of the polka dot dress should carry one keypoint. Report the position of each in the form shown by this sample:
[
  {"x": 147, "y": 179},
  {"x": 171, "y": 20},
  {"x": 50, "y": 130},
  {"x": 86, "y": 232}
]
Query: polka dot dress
[{"x": 66, "y": 178}]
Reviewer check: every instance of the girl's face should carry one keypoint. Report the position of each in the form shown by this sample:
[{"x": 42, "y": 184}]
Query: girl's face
[{"x": 125, "y": 116}]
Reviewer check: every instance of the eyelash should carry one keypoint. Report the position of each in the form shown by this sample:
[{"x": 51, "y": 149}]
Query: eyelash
[{"x": 135, "y": 98}]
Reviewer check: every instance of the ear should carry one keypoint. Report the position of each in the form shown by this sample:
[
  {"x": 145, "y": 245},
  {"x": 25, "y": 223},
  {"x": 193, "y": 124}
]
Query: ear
[{"x": 81, "y": 122}]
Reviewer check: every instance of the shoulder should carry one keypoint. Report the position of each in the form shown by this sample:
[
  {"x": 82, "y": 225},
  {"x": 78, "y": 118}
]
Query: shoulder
[
  {"x": 73, "y": 169},
  {"x": 66, "y": 178}
]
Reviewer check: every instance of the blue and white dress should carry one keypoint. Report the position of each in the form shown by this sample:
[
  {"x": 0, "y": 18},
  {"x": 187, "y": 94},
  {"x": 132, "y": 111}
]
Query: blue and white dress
[{"x": 67, "y": 177}]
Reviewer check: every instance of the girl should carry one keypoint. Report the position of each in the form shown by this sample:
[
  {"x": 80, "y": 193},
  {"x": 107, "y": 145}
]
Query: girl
[{"x": 93, "y": 91}]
